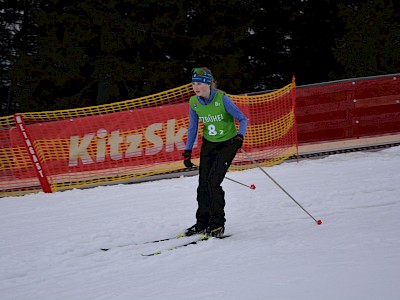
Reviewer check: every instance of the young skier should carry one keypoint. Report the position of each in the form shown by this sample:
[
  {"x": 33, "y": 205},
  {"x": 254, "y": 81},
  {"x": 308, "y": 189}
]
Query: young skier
[{"x": 220, "y": 143}]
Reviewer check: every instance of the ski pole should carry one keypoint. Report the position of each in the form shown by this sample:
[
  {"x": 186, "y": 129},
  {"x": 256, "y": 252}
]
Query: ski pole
[
  {"x": 252, "y": 186},
  {"x": 319, "y": 222}
]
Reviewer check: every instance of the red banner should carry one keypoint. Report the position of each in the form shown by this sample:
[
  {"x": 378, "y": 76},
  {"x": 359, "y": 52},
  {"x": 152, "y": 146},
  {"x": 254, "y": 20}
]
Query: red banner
[{"x": 137, "y": 138}]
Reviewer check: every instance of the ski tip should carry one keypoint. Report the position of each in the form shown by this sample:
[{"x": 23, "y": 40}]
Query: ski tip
[
  {"x": 181, "y": 235},
  {"x": 152, "y": 254}
]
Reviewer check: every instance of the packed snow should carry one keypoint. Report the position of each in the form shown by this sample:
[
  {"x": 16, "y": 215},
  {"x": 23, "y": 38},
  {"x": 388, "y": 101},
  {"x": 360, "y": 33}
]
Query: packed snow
[{"x": 50, "y": 243}]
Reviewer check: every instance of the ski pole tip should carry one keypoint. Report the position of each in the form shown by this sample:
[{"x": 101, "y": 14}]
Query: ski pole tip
[
  {"x": 319, "y": 222},
  {"x": 252, "y": 187}
]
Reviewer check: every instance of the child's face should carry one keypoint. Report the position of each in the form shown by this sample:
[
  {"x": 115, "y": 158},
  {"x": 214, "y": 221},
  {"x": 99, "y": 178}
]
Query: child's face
[{"x": 201, "y": 89}]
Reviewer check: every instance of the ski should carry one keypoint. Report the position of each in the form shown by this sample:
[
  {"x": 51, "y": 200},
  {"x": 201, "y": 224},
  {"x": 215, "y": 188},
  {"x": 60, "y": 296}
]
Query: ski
[
  {"x": 181, "y": 235},
  {"x": 202, "y": 238}
]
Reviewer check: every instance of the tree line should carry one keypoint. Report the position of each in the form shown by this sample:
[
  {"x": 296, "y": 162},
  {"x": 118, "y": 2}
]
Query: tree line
[{"x": 60, "y": 54}]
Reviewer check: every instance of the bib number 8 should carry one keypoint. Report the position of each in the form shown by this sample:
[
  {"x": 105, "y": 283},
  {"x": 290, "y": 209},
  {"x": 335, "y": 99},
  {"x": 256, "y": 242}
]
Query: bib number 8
[{"x": 212, "y": 131}]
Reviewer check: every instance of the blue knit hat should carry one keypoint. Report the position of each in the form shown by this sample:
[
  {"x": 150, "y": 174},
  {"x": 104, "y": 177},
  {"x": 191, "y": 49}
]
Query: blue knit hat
[{"x": 201, "y": 75}]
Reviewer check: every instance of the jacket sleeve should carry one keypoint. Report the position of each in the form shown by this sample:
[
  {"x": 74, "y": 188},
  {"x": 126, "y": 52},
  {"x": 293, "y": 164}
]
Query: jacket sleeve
[{"x": 192, "y": 129}]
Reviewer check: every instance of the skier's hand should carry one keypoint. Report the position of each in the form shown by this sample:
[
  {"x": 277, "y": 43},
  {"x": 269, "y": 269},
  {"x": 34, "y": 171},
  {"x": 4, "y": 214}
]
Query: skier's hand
[
  {"x": 238, "y": 141},
  {"x": 187, "y": 154}
]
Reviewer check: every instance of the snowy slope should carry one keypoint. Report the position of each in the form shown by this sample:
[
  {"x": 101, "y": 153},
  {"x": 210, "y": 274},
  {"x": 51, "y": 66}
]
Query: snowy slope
[{"x": 50, "y": 242}]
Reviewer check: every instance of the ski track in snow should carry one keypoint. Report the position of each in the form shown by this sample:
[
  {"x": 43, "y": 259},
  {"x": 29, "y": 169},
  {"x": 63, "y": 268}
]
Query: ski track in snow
[{"x": 51, "y": 243}]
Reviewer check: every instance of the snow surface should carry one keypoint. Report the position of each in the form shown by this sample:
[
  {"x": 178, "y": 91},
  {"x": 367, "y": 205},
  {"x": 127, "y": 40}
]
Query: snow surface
[{"x": 50, "y": 242}]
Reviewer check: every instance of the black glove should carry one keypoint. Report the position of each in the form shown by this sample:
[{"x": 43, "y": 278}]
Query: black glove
[
  {"x": 187, "y": 154},
  {"x": 238, "y": 141}
]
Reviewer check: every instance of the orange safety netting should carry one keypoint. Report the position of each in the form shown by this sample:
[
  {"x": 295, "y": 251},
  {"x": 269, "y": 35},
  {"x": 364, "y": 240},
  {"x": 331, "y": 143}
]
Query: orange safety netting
[{"x": 124, "y": 141}]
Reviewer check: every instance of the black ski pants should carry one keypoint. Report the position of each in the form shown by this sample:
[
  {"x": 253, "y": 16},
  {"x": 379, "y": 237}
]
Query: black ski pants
[{"x": 215, "y": 159}]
